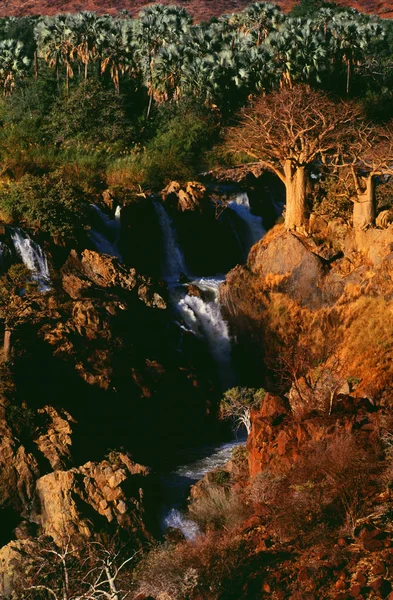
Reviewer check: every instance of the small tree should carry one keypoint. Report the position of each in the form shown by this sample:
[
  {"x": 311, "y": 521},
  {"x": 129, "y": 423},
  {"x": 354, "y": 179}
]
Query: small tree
[
  {"x": 237, "y": 404},
  {"x": 90, "y": 571},
  {"x": 286, "y": 131}
]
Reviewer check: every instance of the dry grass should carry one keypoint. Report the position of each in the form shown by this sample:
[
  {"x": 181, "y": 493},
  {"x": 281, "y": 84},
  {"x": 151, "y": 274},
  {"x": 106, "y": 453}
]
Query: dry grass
[{"x": 218, "y": 508}]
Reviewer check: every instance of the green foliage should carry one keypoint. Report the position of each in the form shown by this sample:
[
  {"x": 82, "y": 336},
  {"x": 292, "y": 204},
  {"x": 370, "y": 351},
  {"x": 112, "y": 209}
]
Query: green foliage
[
  {"x": 308, "y": 8},
  {"x": 23, "y": 421},
  {"x": 47, "y": 203},
  {"x": 220, "y": 477},
  {"x": 176, "y": 150},
  {"x": 240, "y": 457},
  {"x": 91, "y": 116},
  {"x": 333, "y": 198},
  {"x": 237, "y": 403}
]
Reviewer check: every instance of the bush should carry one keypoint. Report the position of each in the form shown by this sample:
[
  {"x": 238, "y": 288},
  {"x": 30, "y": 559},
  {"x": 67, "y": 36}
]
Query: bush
[
  {"x": 208, "y": 568},
  {"x": 47, "y": 204},
  {"x": 220, "y": 477},
  {"x": 91, "y": 116},
  {"x": 218, "y": 508},
  {"x": 324, "y": 490}
]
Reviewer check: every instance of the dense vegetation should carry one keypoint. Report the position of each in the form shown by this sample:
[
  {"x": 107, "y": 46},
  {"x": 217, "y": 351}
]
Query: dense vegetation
[{"x": 103, "y": 98}]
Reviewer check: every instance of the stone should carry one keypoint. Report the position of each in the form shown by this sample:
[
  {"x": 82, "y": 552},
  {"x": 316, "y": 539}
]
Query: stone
[{"x": 302, "y": 271}]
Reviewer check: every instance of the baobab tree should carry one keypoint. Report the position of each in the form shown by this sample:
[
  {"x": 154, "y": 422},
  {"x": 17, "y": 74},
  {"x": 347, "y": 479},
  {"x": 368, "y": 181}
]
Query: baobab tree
[
  {"x": 286, "y": 132},
  {"x": 368, "y": 156}
]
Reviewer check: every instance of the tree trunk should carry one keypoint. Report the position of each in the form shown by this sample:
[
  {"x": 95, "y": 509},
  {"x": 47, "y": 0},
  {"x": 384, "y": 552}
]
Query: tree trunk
[
  {"x": 296, "y": 197},
  {"x": 364, "y": 210},
  {"x": 348, "y": 75},
  {"x": 7, "y": 345}
]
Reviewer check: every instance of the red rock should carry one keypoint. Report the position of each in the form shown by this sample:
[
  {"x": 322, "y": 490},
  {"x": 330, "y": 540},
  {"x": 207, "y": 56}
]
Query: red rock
[
  {"x": 340, "y": 584},
  {"x": 341, "y": 542},
  {"x": 355, "y": 590},
  {"x": 303, "y": 574},
  {"x": 381, "y": 586},
  {"x": 361, "y": 578},
  {"x": 379, "y": 569}
]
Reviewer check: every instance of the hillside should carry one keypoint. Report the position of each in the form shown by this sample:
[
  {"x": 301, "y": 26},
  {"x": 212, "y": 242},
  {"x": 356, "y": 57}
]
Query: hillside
[{"x": 201, "y": 9}]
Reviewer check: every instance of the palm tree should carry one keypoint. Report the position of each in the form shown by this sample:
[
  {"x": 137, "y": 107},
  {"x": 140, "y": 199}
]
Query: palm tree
[
  {"x": 87, "y": 27},
  {"x": 351, "y": 36},
  {"x": 300, "y": 51},
  {"x": 14, "y": 64},
  {"x": 116, "y": 51},
  {"x": 56, "y": 41},
  {"x": 260, "y": 19},
  {"x": 158, "y": 26}
]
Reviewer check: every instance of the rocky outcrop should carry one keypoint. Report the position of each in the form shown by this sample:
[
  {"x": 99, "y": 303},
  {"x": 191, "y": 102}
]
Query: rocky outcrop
[
  {"x": 192, "y": 197},
  {"x": 326, "y": 297},
  {"x": 81, "y": 278},
  {"x": 70, "y": 503},
  {"x": 19, "y": 471},
  {"x": 297, "y": 270},
  {"x": 277, "y": 438},
  {"x": 55, "y": 442}
]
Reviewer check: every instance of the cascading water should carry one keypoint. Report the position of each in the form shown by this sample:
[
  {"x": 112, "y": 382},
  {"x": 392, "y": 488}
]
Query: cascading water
[
  {"x": 32, "y": 256},
  {"x": 253, "y": 229},
  {"x": 202, "y": 316},
  {"x": 174, "y": 263},
  {"x": 105, "y": 236},
  {"x": 177, "y": 483}
]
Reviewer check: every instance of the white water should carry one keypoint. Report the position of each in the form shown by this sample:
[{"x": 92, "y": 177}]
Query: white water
[
  {"x": 177, "y": 483},
  {"x": 203, "y": 317},
  {"x": 32, "y": 256},
  {"x": 106, "y": 238},
  {"x": 253, "y": 228},
  {"x": 174, "y": 263}
]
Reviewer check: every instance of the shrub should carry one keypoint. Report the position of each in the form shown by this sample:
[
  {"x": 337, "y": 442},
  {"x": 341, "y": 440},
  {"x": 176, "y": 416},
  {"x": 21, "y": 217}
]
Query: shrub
[
  {"x": 45, "y": 203},
  {"x": 220, "y": 477},
  {"x": 324, "y": 490},
  {"x": 218, "y": 508},
  {"x": 240, "y": 458},
  {"x": 208, "y": 568},
  {"x": 92, "y": 115}
]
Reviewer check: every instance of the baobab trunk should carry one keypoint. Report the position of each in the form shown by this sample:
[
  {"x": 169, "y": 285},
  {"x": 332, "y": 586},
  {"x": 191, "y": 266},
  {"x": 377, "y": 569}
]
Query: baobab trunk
[
  {"x": 7, "y": 345},
  {"x": 296, "y": 197},
  {"x": 364, "y": 210}
]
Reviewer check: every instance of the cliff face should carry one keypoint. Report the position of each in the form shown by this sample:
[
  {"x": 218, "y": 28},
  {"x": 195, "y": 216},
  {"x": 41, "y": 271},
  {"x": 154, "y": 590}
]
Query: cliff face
[{"x": 315, "y": 310}]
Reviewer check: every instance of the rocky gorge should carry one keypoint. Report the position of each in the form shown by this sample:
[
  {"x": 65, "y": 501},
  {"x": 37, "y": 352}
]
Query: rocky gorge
[{"x": 114, "y": 360}]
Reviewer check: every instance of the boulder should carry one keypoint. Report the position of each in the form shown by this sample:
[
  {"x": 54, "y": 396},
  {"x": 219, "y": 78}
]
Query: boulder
[
  {"x": 71, "y": 503},
  {"x": 298, "y": 270}
]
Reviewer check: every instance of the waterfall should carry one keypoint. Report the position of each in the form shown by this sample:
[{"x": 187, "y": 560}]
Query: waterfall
[
  {"x": 175, "y": 485},
  {"x": 105, "y": 236},
  {"x": 32, "y": 256},
  {"x": 174, "y": 263},
  {"x": 203, "y": 317},
  {"x": 118, "y": 212},
  {"x": 252, "y": 224}
]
